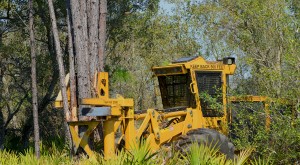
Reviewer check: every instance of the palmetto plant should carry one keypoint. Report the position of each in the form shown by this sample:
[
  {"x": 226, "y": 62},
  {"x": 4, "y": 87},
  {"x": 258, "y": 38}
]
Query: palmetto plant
[
  {"x": 139, "y": 155},
  {"x": 261, "y": 161},
  {"x": 204, "y": 155}
]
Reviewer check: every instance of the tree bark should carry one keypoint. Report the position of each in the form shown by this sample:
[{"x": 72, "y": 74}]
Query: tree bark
[
  {"x": 2, "y": 135},
  {"x": 2, "y": 131},
  {"x": 73, "y": 99},
  {"x": 33, "y": 83},
  {"x": 46, "y": 100},
  {"x": 102, "y": 33},
  {"x": 278, "y": 63},
  {"x": 84, "y": 37},
  {"x": 80, "y": 43},
  {"x": 93, "y": 19},
  {"x": 59, "y": 58}
]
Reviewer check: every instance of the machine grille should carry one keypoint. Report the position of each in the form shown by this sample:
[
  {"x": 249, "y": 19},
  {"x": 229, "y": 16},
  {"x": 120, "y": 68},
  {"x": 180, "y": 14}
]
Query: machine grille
[
  {"x": 175, "y": 91},
  {"x": 210, "y": 91}
]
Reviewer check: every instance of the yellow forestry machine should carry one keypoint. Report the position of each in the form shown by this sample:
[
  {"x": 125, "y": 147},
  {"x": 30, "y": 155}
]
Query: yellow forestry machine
[{"x": 193, "y": 93}]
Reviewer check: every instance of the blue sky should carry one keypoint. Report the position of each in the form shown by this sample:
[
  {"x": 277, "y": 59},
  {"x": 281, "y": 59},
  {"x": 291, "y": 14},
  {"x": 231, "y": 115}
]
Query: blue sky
[{"x": 165, "y": 6}]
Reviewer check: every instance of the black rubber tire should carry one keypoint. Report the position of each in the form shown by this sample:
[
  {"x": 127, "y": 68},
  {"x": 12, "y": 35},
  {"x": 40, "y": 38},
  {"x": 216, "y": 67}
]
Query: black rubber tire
[{"x": 207, "y": 137}]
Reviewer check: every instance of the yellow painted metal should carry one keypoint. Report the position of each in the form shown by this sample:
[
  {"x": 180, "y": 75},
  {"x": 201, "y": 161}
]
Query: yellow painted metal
[
  {"x": 144, "y": 124},
  {"x": 140, "y": 116},
  {"x": 154, "y": 123},
  {"x": 109, "y": 137},
  {"x": 152, "y": 127},
  {"x": 161, "y": 135},
  {"x": 248, "y": 98},
  {"x": 173, "y": 114},
  {"x": 108, "y": 102},
  {"x": 169, "y": 70},
  {"x": 130, "y": 132},
  {"x": 187, "y": 124},
  {"x": 170, "y": 132},
  {"x": 200, "y": 63},
  {"x": 58, "y": 101},
  {"x": 117, "y": 125},
  {"x": 265, "y": 100},
  {"x": 268, "y": 118},
  {"x": 82, "y": 141},
  {"x": 102, "y": 85}
]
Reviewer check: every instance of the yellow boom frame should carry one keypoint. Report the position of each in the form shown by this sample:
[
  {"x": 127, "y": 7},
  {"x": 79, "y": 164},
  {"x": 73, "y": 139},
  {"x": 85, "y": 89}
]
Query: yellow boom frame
[{"x": 267, "y": 101}]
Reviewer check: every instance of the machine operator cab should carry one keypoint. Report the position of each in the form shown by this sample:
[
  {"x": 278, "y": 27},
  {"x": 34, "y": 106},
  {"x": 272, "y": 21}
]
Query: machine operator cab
[{"x": 193, "y": 82}]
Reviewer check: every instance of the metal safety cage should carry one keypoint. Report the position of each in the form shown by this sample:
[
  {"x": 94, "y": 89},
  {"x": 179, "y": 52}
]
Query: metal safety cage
[{"x": 175, "y": 91}]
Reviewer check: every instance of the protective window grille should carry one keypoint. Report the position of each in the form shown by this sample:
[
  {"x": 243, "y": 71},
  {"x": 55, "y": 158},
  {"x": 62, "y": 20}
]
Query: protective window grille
[
  {"x": 175, "y": 91},
  {"x": 210, "y": 91}
]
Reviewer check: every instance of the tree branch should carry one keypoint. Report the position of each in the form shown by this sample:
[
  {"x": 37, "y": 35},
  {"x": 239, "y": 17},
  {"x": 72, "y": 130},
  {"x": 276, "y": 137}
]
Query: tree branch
[{"x": 17, "y": 109}]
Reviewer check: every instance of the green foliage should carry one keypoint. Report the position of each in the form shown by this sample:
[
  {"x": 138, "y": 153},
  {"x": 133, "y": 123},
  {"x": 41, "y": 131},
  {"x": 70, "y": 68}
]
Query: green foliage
[
  {"x": 28, "y": 157},
  {"x": 203, "y": 155},
  {"x": 212, "y": 102},
  {"x": 200, "y": 155},
  {"x": 15, "y": 63},
  {"x": 145, "y": 39},
  {"x": 248, "y": 119},
  {"x": 122, "y": 158},
  {"x": 263, "y": 35},
  {"x": 279, "y": 144},
  {"x": 167, "y": 156},
  {"x": 243, "y": 156},
  {"x": 121, "y": 75},
  {"x": 141, "y": 154},
  {"x": 138, "y": 156},
  {"x": 7, "y": 157},
  {"x": 261, "y": 161}
]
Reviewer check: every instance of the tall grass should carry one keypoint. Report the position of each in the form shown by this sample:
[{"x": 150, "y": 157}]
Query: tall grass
[
  {"x": 140, "y": 155},
  {"x": 8, "y": 157}
]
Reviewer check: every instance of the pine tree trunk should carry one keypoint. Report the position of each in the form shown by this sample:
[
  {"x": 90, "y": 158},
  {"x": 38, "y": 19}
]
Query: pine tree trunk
[
  {"x": 81, "y": 48},
  {"x": 73, "y": 100},
  {"x": 2, "y": 131},
  {"x": 102, "y": 33},
  {"x": 33, "y": 79},
  {"x": 93, "y": 19},
  {"x": 59, "y": 58}
]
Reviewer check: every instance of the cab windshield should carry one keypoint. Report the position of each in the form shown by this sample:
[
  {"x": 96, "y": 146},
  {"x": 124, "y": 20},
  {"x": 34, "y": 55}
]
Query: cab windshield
[{"x": 175, "y": 91}]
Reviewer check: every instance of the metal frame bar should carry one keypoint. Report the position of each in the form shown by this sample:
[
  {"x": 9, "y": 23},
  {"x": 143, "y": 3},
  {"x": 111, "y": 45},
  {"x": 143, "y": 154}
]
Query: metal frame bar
[{"x": 82, "y": 141}]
